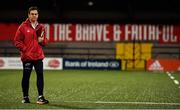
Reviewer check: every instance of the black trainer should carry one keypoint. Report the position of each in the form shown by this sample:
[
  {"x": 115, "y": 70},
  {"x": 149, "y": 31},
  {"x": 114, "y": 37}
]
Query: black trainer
[
  {"x": 42, "y": 100},
  {"x": 26, "y": 100}
]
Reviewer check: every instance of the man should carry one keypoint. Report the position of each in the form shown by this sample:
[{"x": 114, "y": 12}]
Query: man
[{"x": 29, "y": 39}]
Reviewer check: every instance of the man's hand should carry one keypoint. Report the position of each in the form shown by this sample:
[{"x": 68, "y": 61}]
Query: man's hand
[{"x": 40, "y": 39}]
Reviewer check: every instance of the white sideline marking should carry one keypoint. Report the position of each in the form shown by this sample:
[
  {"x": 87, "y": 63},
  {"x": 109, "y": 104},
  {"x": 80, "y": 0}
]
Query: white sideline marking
[
  {"x": 110, "y": 92},
  {"x": 147, "y": 103},
  {"x": 176, "y": 82},
  {"x": 173, "y": 78},
  {"x": 169, "y": 74},
  {"x": 143, "y": 103}
]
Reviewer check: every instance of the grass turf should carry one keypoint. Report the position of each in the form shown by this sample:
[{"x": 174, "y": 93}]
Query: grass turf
[{"x": 76, "y": 89}]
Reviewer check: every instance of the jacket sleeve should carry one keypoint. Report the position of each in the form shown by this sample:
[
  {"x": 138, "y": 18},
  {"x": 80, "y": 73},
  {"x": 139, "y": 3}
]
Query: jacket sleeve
[{"x": 18, "y": 40}]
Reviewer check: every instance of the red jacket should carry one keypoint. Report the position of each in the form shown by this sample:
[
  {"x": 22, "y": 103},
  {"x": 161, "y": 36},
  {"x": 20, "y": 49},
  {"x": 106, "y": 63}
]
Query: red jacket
[{"x": 27, "y": 42}]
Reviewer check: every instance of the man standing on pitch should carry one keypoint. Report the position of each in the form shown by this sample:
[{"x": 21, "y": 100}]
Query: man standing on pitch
[{"x": 29, "y": 39}]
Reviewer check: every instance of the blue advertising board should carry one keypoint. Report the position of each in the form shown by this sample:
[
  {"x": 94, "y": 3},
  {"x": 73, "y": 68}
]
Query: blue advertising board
[{"x": 102, "y": 64}]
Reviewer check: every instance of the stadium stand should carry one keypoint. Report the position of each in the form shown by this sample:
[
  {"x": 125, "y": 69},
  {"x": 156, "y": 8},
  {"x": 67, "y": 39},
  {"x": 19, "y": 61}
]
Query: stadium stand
[
  {"x": 164, "y": 51},
  {"x": 68, "y": 50},
  {"x": 68, "y": 11}
]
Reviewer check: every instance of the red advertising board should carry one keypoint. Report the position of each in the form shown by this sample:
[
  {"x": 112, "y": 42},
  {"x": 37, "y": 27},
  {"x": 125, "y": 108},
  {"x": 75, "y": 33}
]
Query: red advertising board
[
  {"x": 169, "y": 34},
  {"x": 163, "y": 65},
  {"x": 7, "y": 30}
]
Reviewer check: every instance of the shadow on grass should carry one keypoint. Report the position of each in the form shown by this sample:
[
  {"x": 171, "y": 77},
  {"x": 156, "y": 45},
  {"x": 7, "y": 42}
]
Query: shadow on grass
[
  {"x": 65, "y": 106},
  {"x": 33, "y": 105}
]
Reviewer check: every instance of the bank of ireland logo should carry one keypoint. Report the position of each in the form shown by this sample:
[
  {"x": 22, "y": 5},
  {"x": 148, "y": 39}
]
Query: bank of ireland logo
[{"x": 113, "y": 64}]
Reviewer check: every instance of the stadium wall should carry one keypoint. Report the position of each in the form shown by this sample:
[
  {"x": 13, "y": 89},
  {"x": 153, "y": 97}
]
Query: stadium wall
[{"x": 137, "y": 43}]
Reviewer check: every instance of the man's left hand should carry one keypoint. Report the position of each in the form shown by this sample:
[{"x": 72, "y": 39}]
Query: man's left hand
[{"x": 40, "y": 39}]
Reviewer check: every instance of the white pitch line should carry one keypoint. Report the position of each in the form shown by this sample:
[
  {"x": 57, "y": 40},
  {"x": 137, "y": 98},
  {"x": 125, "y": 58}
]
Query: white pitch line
[
  {"x": 176, "y": 82},
  {"x": 139, "y": 103},
  {"x": 110, "y": 92},
  {"x": 171, "y": 77},
  {"x": 147, "y": 103},
  {"x": 169, "y": 74}
]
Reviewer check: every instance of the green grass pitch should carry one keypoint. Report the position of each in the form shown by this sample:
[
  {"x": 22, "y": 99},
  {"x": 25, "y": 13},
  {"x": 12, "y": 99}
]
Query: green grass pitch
[{"x": 85, "y": 89}]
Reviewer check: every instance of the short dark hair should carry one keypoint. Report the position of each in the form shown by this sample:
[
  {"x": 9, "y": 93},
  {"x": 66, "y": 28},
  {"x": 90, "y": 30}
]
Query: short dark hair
[{"x": 32, "y": 8}]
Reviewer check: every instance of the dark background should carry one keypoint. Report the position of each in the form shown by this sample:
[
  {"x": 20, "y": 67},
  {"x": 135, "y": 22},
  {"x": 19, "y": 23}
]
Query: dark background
[{"x": 102, "y": 11}]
